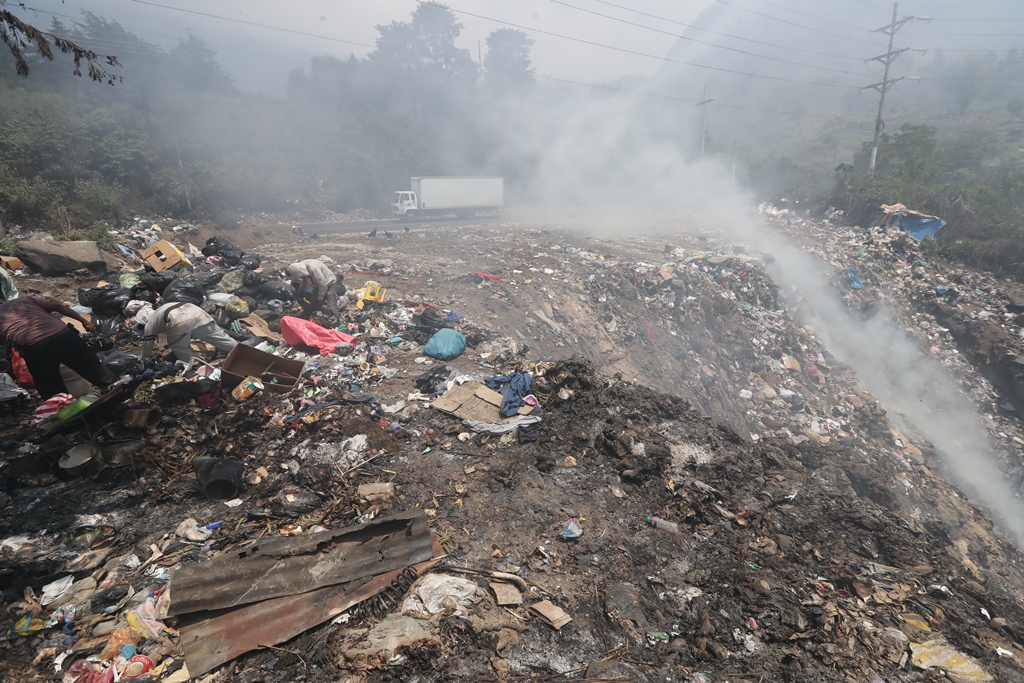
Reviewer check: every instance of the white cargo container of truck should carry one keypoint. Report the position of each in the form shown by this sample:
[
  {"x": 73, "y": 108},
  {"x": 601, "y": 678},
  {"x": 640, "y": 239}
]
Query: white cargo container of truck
[{"x": 441, "y": 196}]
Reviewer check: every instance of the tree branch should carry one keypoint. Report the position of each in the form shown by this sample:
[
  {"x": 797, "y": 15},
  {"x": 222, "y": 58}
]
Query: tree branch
[{"x": 18, "y": 36}]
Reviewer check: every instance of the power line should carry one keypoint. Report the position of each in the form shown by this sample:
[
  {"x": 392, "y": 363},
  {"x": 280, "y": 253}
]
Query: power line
[
  {"x": 790, "y": 23},
  {"x": 727, "y": 35},
  {"x": 805, "y": 14},
  {"x": 546, "y": 78},
  {"x": 704, "y": 42},
  {"x": 633, "y": 52}
]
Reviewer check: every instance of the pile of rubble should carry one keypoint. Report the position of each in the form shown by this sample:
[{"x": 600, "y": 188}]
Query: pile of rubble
[{"x": 369, "y": 509}]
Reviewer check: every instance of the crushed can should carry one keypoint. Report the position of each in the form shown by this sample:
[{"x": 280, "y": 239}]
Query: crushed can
[{"x": 246, "y": 388}]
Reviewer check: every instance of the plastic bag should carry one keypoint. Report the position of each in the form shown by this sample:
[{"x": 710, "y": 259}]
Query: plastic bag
[
  {"x": 207, "y": 278},
  {"x": 108, "y": 300},
  {"x": 236, "y": 309},
  {"x": 108, "y": 325},
  {"x": 233, "y": 280},
  {"x": 219, "y": 246},
  {"x": 157, "y": 282},
  {"x": 19, "y": 370},
  {"x": 277, "y": 289},
  {"x": 299, "y": 332},
  {"x": 186, "y": 291},
  {"x": 446, "y": 344},
  {"x": 129, "y": 280},
  {"x": 123, "y": 364},
  {"x": 251, "y": 261},
  {"x": 141, "y": 292}
]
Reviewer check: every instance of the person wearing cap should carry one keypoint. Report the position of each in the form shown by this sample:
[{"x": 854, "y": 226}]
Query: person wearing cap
[
  {"x": 46, "y": 342},
  {"x": 318, "y": 283},
  {"x": 182, "y": 322}
]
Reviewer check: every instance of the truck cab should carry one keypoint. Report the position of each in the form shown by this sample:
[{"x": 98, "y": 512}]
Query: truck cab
[{"x": 405, "y": 204}]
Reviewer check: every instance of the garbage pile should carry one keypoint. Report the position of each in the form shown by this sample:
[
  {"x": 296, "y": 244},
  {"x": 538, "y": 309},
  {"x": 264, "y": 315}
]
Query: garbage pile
[{"x": 427, "y": 486}]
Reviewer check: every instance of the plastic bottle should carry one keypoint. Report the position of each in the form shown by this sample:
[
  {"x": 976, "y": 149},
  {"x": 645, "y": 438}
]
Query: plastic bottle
[
  {"x": 79, "y": 404},
  {"x": 659, "y": 523}
]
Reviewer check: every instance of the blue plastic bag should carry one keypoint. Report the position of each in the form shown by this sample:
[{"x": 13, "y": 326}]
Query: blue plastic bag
[{"x": 446, "y": 344}]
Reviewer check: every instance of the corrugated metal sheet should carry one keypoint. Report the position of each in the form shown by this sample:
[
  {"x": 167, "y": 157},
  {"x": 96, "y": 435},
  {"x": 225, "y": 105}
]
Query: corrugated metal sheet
[{"x": 290, "y": 566}]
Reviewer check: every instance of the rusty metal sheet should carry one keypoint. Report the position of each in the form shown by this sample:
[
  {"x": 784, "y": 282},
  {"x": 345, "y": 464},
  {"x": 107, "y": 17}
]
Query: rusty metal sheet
[
  {"x": 290, "y": 566},
  {"x": 222, "y": 636}
]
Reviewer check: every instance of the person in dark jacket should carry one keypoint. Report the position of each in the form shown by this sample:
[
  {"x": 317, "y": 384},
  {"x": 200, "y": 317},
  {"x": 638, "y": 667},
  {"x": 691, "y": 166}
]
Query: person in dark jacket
[{"x": 46, "y": 342}]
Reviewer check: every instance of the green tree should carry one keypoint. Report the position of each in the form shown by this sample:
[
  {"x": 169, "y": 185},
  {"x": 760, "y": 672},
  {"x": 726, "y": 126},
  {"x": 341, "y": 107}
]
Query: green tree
[
  {"x": 507, "y": 63},
  {"x": 425, "y": 46},
  {"x": 20, "y": 36},
  {"x": 964, "y": 83},
  {"x": 195, "y": 67}
]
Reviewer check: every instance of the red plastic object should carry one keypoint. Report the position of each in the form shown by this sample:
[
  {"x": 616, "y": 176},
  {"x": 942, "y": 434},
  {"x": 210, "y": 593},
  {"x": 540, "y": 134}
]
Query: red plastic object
[
  {"x": 19, "y": 369},
  {"x": 299, "y": 332}
]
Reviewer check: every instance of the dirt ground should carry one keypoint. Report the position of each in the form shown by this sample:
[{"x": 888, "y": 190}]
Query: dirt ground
[{"x": 814, "y": 544}]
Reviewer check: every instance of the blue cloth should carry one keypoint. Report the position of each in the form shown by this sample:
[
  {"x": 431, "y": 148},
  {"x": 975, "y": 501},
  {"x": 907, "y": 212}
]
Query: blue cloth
[
  {"x": 919, "y": 227},
  {"x": 446, "y": 344},
  {"x": 855, "y": 280},
  {"x": 514, "y": 388}
]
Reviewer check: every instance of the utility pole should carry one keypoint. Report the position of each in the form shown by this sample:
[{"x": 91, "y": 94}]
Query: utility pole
[
  {"x": 887, "y": 83},
  {"x": 704, "y": 119}
]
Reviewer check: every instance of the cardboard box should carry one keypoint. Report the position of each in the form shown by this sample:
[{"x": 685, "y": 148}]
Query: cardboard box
[
  {"x": 11, "y": 262},
  {"x": 279, "y": 375},
  {"x": 164, "y": 256}
]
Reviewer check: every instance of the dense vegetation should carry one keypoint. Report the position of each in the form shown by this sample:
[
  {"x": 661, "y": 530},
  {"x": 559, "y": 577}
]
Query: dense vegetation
[{"x": 174, "y": 136}]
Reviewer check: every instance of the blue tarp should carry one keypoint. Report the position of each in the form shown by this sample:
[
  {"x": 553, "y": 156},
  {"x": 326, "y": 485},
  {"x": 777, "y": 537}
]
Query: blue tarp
[{"x": 919, "y": 227}]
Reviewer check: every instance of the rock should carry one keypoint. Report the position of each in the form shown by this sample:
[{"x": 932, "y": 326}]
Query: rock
[{"x": 58, "y": 258}]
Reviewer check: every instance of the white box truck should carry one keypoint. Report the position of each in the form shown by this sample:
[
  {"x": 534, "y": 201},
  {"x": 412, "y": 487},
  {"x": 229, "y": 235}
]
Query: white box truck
[{"x": 440, "y": 196}]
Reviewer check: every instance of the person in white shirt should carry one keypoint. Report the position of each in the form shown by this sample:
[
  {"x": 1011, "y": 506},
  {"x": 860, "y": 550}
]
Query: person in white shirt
[
  {"x": 315, "y": 277},
  {"x": 182, "y": 323}
]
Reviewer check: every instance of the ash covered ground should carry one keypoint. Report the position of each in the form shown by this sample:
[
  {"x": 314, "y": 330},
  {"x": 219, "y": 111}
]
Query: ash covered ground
[{"x": 819, "y": 536}]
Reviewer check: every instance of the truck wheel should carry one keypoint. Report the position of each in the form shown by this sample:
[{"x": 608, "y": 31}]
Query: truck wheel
[{"x": 410, "y": 215}]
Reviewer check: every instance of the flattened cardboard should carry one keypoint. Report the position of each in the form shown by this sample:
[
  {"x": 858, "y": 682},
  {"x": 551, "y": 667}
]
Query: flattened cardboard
[
  {"x": 554, "y": 615},
  {"x": 258, "y": 326},
  {"x": 475, "y": 401},
  {"x": 506, "y": 594}
]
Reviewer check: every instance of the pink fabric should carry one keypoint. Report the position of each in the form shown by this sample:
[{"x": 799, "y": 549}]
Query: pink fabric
[{"x": 299, "y": 332}]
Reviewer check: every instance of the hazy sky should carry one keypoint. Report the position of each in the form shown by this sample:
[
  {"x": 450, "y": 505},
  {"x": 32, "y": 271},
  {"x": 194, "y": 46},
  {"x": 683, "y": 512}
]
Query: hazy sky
[{"x": 276, "y": 52}]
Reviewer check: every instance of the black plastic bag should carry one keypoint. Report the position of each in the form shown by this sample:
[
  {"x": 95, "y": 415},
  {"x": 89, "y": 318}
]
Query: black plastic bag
[
  {"x": 97, "y": 342},
  {"x": 186, "y": 291},
  {"x": 123, "y": 364},
  {"x": 219, "y": 246},
  {"x": 277, "y": 289},
  {"x": 141, "y": 292},
  {"x": 157, "y": 282},
  {"x": 434, "y": 381},
  {"x": 108, "y": 300},
  {"x": 207, "y": 278},
  {"x": 251, "y": 261},
  {"x": 182, "y": 392},
  {"x": 108, "y": 326}
]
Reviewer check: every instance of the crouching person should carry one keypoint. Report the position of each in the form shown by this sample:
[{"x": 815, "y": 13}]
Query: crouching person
[
  {"x": 182, "y": 323},
  {"x": 46, "y": 342},
  {"x": 316, "y": 286}
]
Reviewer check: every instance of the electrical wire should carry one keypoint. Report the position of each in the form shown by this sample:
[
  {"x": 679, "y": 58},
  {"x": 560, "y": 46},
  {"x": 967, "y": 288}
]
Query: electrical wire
[
  {"x": 790, "y": 23},
  {"x": 729, "y": 35},
  {"x": 704, "y": 42},
  {"x": 805, "y": 14},
  {"x": 628, "y": 51}
]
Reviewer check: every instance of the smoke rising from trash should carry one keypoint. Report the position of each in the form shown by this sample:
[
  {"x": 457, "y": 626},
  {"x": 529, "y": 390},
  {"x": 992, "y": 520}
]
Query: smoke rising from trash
[{"x": 602, "y": 172}]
